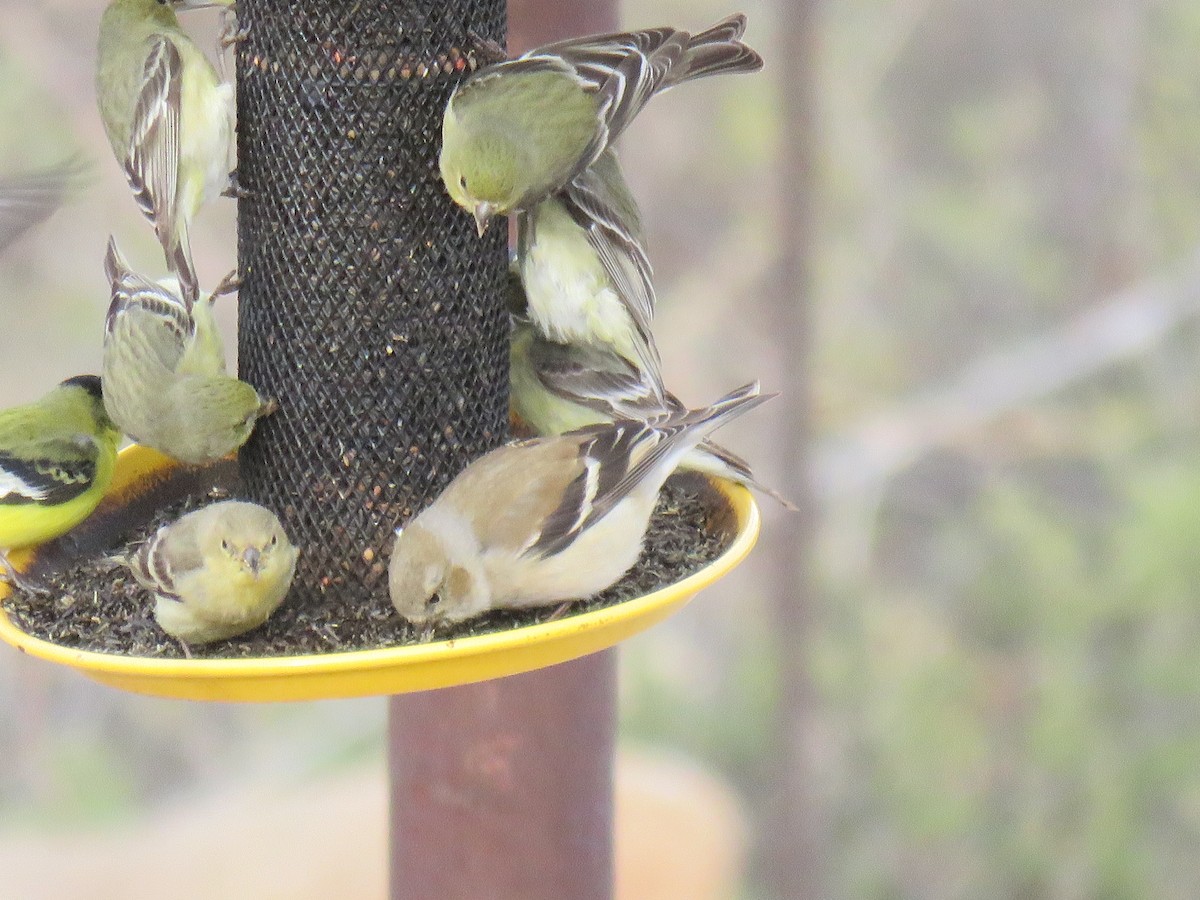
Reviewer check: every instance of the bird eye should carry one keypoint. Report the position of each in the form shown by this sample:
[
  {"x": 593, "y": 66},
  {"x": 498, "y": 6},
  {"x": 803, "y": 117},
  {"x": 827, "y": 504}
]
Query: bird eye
[
  {"x": 462, "y": 182},
  {"x": 225, "y": 546},
  {"x": 433, "y": 601},
  {"x": 274, "y": 540}
]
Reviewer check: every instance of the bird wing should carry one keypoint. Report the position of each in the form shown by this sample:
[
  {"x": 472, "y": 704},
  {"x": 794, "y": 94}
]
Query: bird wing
[
  {"x": 621, "y": 253},
  {"x": 153, "y": 157},
  {"x": 535, "y": 497},
  {"x": 596, "y": 378},
  {"x": 610, "y": 385},
  {"x": 48, "y": 470},
  {"x": 614, "y": 460},
  {"x": 152, "y": 567},
  {"x": 170, "y": 555},
  {"x": 609, "y": 465},
  {"x": 145, "y": 312},
  {"x": 718, "y": 49},
  {"x": 26, "y": 200},
  {"x": 622, "y": 70},
  {"x": 625, "y": 70}
]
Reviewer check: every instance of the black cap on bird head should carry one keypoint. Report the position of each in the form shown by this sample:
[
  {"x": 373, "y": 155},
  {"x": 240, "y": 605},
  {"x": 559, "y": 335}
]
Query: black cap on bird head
[{"x": 90, "y": 383}]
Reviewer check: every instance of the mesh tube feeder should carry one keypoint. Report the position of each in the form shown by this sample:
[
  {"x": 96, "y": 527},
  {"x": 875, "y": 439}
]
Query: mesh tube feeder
[
  {"x": 368, "y": 305},
  {"x": 372, "y": 310}
]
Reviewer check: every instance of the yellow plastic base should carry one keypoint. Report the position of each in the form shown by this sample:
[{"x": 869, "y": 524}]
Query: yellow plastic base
[{"x": 391, "y": 670}]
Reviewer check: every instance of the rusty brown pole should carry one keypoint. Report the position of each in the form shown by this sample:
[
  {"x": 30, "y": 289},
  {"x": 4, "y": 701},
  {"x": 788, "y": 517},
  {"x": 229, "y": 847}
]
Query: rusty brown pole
[{"x": 504, "y": 789}]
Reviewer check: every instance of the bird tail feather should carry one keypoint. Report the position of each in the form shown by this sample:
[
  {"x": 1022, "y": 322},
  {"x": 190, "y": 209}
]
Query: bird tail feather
[
  {"x": 718, "y": 50},
  {"x": 679, "y": 432},
  {"x": 713, "y": 459}
]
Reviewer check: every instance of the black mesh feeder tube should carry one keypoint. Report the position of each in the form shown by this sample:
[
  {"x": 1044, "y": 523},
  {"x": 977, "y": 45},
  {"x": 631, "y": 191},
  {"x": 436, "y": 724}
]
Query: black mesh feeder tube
[{"x": 370, "y": 308}]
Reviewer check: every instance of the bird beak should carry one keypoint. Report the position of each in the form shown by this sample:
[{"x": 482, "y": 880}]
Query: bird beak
[
  {"x": 252, "y": 558},
  {"x": 483, "y": 216},
  {"x": 269, "y": 406}
]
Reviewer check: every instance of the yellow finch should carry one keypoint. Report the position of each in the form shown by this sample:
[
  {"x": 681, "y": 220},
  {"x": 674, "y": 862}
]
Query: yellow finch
[
  {"x": 168, "y": 116},
  {"x": 56, "y": 461},
  {"x": 518, "y": 131},
  {"x": 164, "y": 370},
  {"x": 555, "y": 388},
  {"x": 583, "y": 265},
  {"x": 547, "y": 519},
  {"x": 216, "y": 572}
]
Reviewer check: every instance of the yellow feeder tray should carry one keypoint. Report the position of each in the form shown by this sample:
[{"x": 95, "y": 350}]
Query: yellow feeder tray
[{"x": 389, "y": 670}]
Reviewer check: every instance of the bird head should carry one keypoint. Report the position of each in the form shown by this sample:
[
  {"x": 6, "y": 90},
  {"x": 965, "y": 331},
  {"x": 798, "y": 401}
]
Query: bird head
[
  {"x": 224, "y": 412},
  {"x": 84, "y": 392},
  {"x": 253, "y": 545},
  {"x": 425, "y": 585},
  {"x": 480, "y": 168}
]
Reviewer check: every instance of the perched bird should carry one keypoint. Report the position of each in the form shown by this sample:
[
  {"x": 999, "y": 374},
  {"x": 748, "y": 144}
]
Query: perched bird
[
  {"x": 216, "y": 572},
  {"x": 518, "y": 131},
  {"x": 168, "y": 116},
  {"x": 583, "y": 266},
  {"x": 547, "y": 519},
  {"x": 555, "y": 388},
  {"x": 164, "y": 370},
  {"x": 26, "y": 200},
  {"x": 56, "y": 461}
]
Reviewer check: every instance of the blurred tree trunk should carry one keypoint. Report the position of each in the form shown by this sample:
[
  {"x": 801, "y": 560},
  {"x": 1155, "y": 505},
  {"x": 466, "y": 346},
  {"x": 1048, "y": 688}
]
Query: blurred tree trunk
[
  {"x": 793, "y": 860},
  {"x": 1095, "y": 83}
]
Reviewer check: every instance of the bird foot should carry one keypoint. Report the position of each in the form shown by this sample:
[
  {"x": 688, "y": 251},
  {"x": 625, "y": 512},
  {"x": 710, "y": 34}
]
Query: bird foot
[
  {"x": 25, "y": 583},
  {"x": 234, "y": 188},
  {"x": 230, "y": 284},
  {"x": 488, "y": 50},
  {"x": 230, "y": 33},
  {"x": 228, "y": 36}
]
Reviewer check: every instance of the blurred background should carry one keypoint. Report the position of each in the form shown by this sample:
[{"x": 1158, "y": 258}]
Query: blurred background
[{"x": 963, "y": 237}]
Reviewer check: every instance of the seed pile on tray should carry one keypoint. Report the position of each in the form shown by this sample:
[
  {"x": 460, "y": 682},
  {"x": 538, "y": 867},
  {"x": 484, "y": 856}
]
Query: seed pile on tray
[{"x": 96, "y": 605}]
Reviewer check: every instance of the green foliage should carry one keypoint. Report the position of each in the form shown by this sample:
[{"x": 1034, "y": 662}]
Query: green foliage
[
  {"x": 91, "y": 785},
  {"x": 1037, "y": 734},
  {"x": 673, "y": 695}
]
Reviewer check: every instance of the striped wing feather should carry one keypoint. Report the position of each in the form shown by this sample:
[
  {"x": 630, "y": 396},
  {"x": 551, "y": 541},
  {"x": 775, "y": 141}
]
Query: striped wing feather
[{"x": 49, "y": 471}]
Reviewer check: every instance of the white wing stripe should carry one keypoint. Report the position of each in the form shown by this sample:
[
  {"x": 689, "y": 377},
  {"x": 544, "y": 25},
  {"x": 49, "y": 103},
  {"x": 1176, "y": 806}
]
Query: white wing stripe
[{"x": 13, "y": 485}]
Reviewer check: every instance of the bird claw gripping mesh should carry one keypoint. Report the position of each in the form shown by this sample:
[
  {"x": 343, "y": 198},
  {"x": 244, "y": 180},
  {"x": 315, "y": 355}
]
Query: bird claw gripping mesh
[{"x": 369, "y": 306}]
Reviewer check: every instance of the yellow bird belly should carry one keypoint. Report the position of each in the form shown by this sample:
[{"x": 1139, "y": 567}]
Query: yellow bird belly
[{"x": 32, "y": 523}]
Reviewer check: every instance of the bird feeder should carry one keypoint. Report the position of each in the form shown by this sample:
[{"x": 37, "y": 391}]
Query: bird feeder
[
  {"x": 373, "y": 311},
  {"x": 146, "y": 480}
]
